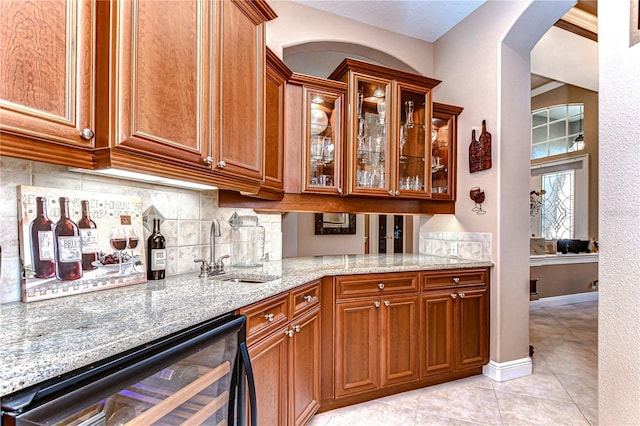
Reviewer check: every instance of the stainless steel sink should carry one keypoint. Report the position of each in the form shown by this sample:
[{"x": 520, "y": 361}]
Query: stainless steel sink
[{"x": 249, "y": 279}]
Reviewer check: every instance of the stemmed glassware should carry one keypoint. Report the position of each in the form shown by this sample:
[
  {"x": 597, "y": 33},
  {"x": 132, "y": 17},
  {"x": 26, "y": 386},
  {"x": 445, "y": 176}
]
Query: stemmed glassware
[
  {"x": 403, "y": 140},
  {"x": 477, "y": 195},
  {"x": 118, "y": 240},
  {"x": 133, "y": 238}
]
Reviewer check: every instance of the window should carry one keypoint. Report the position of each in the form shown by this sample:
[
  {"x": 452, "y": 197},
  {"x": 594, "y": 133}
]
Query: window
[
  {"x": 556, "y": 130},
  {"x": 564, "y": 185}
]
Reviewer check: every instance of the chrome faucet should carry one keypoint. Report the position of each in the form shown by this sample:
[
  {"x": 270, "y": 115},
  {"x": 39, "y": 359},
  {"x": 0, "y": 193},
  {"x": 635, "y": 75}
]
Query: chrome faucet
[{"x": 213, "y": 266}]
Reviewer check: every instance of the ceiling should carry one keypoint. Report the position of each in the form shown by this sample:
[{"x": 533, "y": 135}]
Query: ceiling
[{"x": 426, "y": 20}]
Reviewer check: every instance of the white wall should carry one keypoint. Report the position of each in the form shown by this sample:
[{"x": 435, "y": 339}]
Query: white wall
[
  {"x": 564, "y": 56},
  {"x": 298, "y": 24},
  {"x": 619, "y": 215}
]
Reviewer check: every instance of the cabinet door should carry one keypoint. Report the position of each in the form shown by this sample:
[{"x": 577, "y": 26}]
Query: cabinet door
[
  {"x": 357, "y": 347},
  {"x": 163, "y": 79},
  {"x": 370, "y": 153},
  {"x": 322, "y": 153},
  {"x": 443, "y": 151},
  {"x": 472, "y": 320},
  {"x": 413, "y": 115},
  {"x": 399, "y": 346},
  {"x": 437, "y": 332},
  {"x": 239, "y": 141},
  {"x": 304, "y": 377},
  {"x": 47, "y": 79},
  {"x": 269, "y": 360}
]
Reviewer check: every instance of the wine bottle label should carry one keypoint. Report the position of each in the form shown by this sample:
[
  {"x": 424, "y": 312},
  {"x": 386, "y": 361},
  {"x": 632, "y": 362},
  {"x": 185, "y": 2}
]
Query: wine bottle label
[
  {"x": 45, "y": 244},
  {"x": 158, "y": 259},
  {"x": 89, "y": 241},
  {"x": 69, "y": 249}
]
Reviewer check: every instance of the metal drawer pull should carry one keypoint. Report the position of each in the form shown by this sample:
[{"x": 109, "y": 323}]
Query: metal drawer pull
[
  {"x": 376, "y": 304},
  {"x": 289, "y": 333},
  {"x": 87, "y": 134},
  {"x": 297, "y": 328},
  {"x": 456, "y": 280},
  {"x": 269, "y": 317},
  {"x": 453, "y": 295},
  {"x": 461, "y": 295},
  {"x": 387, "y": 303},
  {"x": 308, "y": 298},
  {"x": 381, "y": 286}
]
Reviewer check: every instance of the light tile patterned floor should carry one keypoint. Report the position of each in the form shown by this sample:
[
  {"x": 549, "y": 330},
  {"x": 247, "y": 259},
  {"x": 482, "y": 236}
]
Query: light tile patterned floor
[{"x": 563, "y": 389}]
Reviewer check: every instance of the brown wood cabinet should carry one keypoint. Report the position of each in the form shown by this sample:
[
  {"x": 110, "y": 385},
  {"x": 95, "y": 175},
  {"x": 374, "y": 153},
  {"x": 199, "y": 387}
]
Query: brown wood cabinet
[
  {"x": 283, "y": 336},
  {"x": 454, "y": 321},
  {"x": 47, "y": 83},
  {"x": 376, "y": 337},
  {"x": 175, "y": 89},
  {"x": 276, "y": 83},
  {"x": 444, "y": 131}
]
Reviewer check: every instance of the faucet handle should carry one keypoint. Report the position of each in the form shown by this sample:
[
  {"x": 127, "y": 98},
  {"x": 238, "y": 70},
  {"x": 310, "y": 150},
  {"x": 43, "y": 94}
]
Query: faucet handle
[
  {"x": 219, "y": 265},
  {"x": 204, "y": 266}
]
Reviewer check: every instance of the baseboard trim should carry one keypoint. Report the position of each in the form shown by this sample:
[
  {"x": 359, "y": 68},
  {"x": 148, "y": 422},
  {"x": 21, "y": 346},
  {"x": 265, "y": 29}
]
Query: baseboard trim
[
  {"x": 565, "y": 299},
  {"x": 503, "y": 371}
]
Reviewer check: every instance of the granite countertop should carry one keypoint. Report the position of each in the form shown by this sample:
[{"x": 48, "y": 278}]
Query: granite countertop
[{"x": 42, "y": 340}]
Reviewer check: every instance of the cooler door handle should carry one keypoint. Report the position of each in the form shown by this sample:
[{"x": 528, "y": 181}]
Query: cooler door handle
[{"x": 251, "y": 383}]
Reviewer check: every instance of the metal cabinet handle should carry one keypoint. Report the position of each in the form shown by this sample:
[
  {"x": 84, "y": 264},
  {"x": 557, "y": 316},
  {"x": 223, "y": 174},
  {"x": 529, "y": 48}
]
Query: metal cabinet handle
[
  {"x": 391, "y": 192},
  {"x": 397, "y": 192},
  {"x": 297, "y": 328},
  {"x": 87, "y": 134},
  {"x": 208, "y": 160},
  {"x": 453, "y": 295},
  {"x": 307, "y": 298},
  {"x": 269, "y": 317},
  {"x": 289, "y": 333},
  {"x": 387, "y": 303},
  {"x": 222, "y": 164},
  {"x": 340, "y": 191},
  {"x": 456, "y": 280},
  {"x": 376, "y": 304},
  {"x": 381, "y": 286},
  {"x": 461, "y": 295}
]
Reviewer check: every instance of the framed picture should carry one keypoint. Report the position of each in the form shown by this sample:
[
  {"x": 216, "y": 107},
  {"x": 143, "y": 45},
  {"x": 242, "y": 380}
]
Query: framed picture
[{"x": 335, "y": 223}]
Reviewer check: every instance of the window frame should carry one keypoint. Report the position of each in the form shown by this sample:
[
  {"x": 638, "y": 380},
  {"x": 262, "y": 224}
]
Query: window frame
[{"x": 568, "y": 146}]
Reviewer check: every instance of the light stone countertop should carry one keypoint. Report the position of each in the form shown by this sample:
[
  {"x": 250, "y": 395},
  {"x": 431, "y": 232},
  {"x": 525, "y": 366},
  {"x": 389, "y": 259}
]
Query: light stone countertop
[{"x": 42, "y": 340}]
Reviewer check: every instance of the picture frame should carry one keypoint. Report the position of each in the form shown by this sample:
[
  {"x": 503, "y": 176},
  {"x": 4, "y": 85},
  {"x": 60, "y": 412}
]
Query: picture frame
[{"x": 335, "y": 224}]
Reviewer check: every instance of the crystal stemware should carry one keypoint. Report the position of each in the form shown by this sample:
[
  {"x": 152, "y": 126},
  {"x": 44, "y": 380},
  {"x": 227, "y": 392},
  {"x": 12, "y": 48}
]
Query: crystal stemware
[{"x": 118, "y": 241}]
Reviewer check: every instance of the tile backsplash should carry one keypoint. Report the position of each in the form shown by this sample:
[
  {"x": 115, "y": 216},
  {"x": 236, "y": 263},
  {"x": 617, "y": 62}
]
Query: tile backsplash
[
  {"x": 471, "y": 245},
  {"x": 187, "y": 216}
]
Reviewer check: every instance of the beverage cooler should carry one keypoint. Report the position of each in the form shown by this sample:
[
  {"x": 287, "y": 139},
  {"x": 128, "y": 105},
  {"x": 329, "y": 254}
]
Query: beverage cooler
[{"x": 198, "y": 376}]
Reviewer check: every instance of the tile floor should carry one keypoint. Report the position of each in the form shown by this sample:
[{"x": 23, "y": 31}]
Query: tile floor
[{"x": 563, "y": 389}]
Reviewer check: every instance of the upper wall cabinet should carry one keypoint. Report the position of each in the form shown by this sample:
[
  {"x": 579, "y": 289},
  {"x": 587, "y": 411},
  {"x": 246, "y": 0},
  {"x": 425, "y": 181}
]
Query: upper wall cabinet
[
  {"x": 388, "y": 138},
  {"x": 47, "y": 79},
  {"x": 190, "y": 97},
  {"x": 444, "y": 128}
]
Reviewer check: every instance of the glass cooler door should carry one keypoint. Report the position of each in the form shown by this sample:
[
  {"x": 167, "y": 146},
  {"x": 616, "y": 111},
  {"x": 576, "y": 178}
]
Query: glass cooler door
[{"x": 188, "y": 379}]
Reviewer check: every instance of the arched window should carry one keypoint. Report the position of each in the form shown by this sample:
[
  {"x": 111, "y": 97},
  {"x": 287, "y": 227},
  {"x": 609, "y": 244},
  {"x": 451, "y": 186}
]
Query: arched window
[{"x": 557, "y": 130}]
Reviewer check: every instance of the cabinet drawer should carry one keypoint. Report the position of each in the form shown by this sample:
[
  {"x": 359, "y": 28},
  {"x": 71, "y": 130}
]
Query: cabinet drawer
[
  {"x": 265, "y": 316},
  {"x": 304, "y": 298},
  {"x": 372, "y": 285},
  {"x": 457, "y": 277}
]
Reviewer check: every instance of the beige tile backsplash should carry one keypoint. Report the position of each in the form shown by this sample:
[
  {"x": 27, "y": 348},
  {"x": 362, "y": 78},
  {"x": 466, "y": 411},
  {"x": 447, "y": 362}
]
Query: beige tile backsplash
[{"x": 188, "y": 215}]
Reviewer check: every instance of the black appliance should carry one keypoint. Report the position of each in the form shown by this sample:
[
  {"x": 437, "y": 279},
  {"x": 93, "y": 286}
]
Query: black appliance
[{"x": 196, "y": 376}]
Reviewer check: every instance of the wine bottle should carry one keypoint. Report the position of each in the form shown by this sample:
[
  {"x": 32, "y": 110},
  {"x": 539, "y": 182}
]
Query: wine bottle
[
  {"x": 88, "y": 238},
  {"x": 67, "y": 244},
  {"x": 156, "y": 253},
  {"x": 42, "y": 245}
]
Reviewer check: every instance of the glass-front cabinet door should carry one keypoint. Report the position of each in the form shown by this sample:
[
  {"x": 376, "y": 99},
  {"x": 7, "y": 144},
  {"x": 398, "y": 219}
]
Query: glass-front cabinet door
[
  {"x": 323, "y": 141},
  {"x": 413, "y": 142},
  {"x": 371, "y": 133},
  {"x": 443, "y": 151}
]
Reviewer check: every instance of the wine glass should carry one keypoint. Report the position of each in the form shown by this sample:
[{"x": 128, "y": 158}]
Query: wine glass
[
  {"x": 133, "y": 238},
  {"x": 118, "y": 241},
  {"x": 477, "y": 195}
]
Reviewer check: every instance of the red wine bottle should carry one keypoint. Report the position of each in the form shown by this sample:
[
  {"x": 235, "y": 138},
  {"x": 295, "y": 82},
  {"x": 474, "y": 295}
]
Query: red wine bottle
[
  {"x": 42, "y": 245},
  {"x": 88, "y": 238},
  {"x": 156, "y": 253},
  {"x": 67, "y": 243}
]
